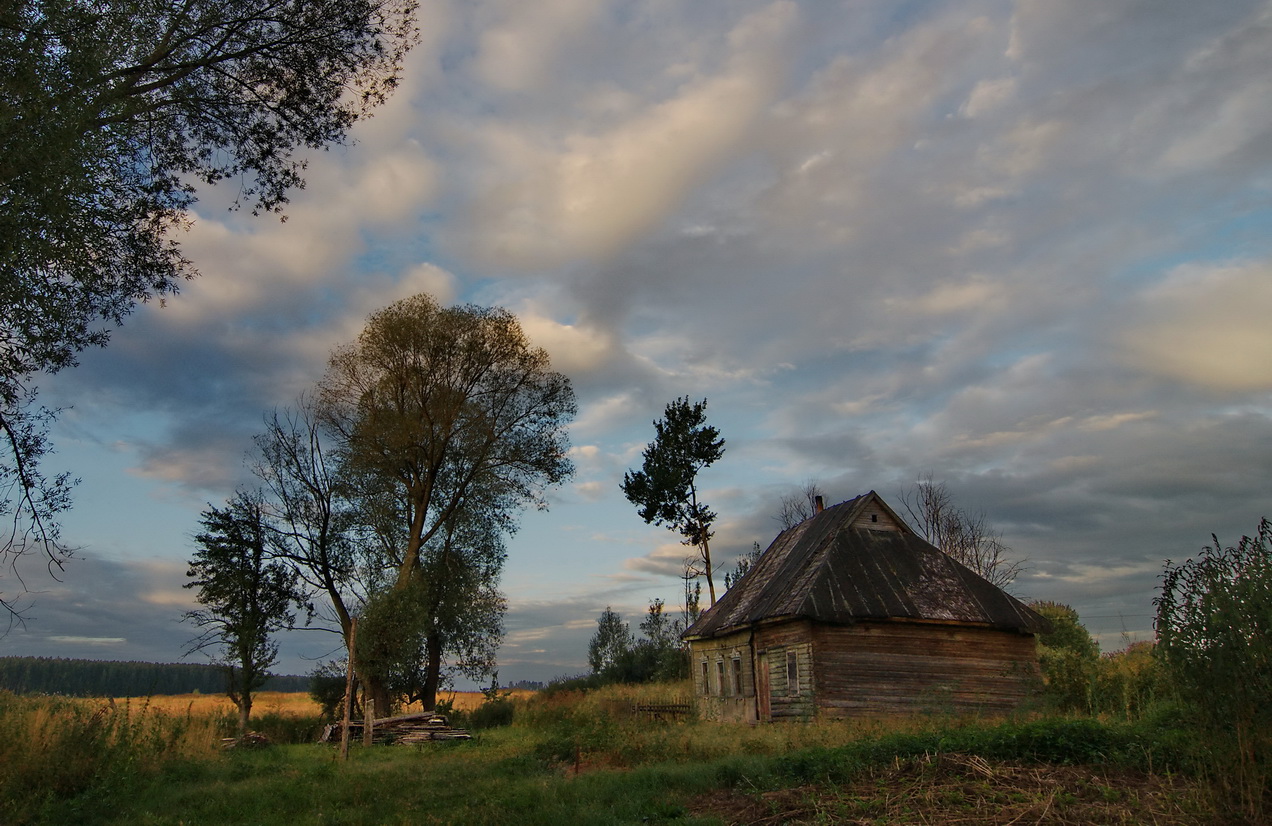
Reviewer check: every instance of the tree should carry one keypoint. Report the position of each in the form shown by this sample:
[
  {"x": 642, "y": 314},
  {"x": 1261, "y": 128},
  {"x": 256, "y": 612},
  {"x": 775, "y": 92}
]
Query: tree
[
  {"x": 445, "y": 423},
  {"x": 1214, "y": 630},
  {"x": 1068, "y": 657},
  {"x": 110, "y": 112},
  {"x": 665, "y": 489},
  {"x": 451, "y": 608},
  {"x": 310, "y": 523},
  {"x": 616, "y": 656},
  {"x": 744, "y": 564},
  {"x": 798, "y": 506},
  {"x": 246, "y": 598},
  {"x": 965, "y": 536},
  {"x": 610, "y": 645}
]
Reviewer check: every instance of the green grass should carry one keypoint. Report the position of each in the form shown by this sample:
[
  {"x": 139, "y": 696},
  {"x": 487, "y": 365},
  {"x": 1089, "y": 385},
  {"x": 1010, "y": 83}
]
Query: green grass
[{"x": 581, "y": 759}]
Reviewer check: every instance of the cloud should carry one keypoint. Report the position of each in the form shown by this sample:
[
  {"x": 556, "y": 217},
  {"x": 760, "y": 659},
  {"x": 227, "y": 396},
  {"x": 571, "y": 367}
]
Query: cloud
[
  {"x": 1206, "y": 325},
  {"x": 587, "y": 193},
  {"x": 517, "y": 53}
]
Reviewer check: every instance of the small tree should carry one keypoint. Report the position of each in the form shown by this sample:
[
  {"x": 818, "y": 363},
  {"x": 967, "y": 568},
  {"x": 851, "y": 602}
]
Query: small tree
[
  {"x": 246, "y": 598},
  {"x": 665, "y": 489},
  {"x": 610, "y": 645},
  {"x": 1068, "y": 657},
  {"x": 1214, "y": 631},
  {"x": 745, "y": 563},
  {"x": 798, "y": 506},
  {"x": 967, "y": 537}
]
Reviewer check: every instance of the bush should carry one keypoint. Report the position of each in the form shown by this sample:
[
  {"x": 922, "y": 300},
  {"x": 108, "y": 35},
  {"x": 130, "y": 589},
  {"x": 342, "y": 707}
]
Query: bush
[
  {"x": 1068, "y": 658},
  {"x": 1127, "y": 682},
  {"x": 1214, "y": 629},
  {"x": 495, "y": 712}
]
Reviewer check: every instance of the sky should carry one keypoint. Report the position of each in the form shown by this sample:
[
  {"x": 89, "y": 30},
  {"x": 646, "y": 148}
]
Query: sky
[{"x": 1021, "y": 246}]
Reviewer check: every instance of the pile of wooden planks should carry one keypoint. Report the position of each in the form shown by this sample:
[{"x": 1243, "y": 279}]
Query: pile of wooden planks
[{"x": 401, "y": 730}]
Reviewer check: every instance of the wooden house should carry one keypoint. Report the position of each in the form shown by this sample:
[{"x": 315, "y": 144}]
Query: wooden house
[{"x": 852, "y": 613}]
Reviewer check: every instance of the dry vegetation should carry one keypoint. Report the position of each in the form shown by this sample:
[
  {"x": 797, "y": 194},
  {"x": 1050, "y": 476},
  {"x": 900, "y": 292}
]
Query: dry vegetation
[
  {"x": 276, "y": 702},
  {"x": 575, "y": 757},
  {"x": 959, "y": 790}
]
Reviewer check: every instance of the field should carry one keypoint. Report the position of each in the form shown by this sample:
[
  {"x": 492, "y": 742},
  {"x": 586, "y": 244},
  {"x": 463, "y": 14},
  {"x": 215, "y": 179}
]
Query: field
[
  {"x": 575, "y": 758},
  {"x": 278, "y": 702}
]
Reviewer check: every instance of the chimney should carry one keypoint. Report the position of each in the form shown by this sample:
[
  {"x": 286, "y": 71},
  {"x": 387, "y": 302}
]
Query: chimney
[{"x": 819, "y": 505}]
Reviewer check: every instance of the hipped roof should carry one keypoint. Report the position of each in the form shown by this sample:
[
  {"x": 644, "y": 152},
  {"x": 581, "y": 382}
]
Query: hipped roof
[{"x": 825, "y": 569}]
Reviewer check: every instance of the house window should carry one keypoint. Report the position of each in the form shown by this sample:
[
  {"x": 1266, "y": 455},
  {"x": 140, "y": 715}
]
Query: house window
[
  {"x": 706, "y": 678},
  {"x": 720, "y": 673},
  {"x": 737, "y": 676},
  {"x": 792, "y": 673}
]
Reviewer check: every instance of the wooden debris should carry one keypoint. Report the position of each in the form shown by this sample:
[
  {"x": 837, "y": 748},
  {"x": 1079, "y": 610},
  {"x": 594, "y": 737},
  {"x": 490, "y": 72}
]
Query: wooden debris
[{"x": 404, "y": 729}]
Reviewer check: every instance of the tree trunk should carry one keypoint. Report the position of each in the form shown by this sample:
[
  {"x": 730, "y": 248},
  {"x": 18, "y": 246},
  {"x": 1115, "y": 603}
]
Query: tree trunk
[
  {"x": 374, "y": 690},
  {"x": 245, "y": 713},
  {"x": 432, "y": 672},
  {"x": 706, "y": 566}
]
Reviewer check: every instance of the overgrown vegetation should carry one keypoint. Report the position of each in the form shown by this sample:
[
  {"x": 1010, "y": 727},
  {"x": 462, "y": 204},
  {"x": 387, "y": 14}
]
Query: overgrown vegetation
[
  {"x": 1175, "y": 734},
  {"x": 589, "y": 757},
  {"x": 1214, "y": 626}
]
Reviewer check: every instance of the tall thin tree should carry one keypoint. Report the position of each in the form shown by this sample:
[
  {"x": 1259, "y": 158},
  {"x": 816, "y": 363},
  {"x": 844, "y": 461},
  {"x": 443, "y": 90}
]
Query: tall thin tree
[{"x": 665, "y": 489}]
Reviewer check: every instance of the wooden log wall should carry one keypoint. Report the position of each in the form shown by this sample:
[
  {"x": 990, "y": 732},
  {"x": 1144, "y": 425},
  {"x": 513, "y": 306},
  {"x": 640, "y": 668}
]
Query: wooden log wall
[
  {"x": 720, "y": 699},
  {"x": 774, "y": 645},
  {"x": 902, "y": 668}
]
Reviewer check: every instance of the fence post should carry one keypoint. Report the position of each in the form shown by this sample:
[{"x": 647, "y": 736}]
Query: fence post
[{"x": 348, "y": 698}]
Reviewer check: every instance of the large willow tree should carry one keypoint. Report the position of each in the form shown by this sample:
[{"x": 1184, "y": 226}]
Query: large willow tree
[
  {"x": 447, "y": 423},
  {"x": 111, "y": 113}
]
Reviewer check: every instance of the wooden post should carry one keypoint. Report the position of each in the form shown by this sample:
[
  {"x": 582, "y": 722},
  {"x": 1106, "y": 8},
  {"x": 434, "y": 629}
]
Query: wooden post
[
  {"x": 348, "y": 698},
  {"x": 368, "y": 723}
]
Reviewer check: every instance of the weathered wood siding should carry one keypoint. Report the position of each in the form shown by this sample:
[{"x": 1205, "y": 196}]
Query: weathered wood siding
[
  {"x": 899, "y": 668},
  {"x": 731, "y": 699},
  {"x": 875, "y": 519},
  {"x": 788, "y": 651}
]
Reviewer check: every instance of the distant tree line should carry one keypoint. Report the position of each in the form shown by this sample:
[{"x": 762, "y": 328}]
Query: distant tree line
[{"x": 101, "y": 678}]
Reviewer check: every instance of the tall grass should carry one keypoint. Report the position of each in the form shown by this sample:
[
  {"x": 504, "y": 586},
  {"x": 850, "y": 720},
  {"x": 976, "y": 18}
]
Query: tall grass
[
  {"x": 88, "y": 762},
  {"x": 55, "y": 747}
]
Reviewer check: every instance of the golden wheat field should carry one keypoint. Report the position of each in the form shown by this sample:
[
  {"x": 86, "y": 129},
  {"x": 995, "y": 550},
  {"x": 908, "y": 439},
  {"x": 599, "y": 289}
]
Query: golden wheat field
[{"x": 277, "y": 702}]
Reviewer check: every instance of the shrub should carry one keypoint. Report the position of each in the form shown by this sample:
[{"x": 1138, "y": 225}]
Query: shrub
[
  {"x": 495, "y": 712},
  {"x": 1214, "y": 629},
  {"x": 1068, "y": 658}
]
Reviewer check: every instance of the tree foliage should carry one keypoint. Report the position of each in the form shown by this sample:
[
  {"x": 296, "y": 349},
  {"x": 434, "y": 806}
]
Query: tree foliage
[
  {"x": 245, "y": 598},
  {"x": 615, "y": 655},
  {"x": 743, "y": 564},
  {"x": 1068, "y": 657},
  {"x": 112, "y": 678},
  {"x": 965, "y": 536},
  {"x": 110, "y": 113},
  {"x": 665, "y": 489},
  {"x": 444, "y": 424},
  {"x": 1214, "y": 629}
]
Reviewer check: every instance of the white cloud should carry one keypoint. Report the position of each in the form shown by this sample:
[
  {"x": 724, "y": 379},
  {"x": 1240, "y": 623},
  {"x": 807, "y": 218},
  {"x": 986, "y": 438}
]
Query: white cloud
[
  {"x": 587, "y": 193},
  {"x": 1207, "y": 326},
  {"x": 988, "y": 95},
  {"x": 517, "y": 53}
]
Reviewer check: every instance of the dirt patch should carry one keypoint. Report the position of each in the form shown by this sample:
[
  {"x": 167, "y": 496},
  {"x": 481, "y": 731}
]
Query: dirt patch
[{"x": 965, "y": 790}]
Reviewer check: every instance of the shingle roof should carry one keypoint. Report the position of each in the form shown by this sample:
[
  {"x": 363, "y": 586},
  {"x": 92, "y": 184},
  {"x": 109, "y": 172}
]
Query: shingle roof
[{"x": 828, "y": 570}]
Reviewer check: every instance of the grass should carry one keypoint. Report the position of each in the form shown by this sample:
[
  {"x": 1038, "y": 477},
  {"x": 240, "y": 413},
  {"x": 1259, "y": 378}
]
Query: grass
[{"x": 586, "y": 759}]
